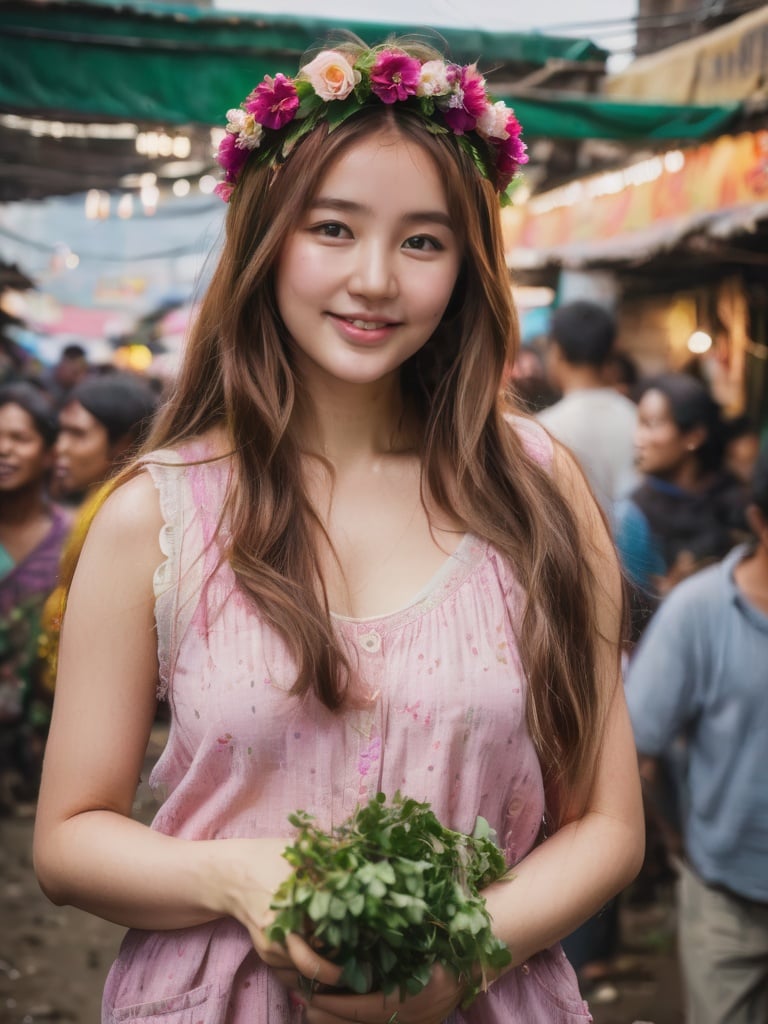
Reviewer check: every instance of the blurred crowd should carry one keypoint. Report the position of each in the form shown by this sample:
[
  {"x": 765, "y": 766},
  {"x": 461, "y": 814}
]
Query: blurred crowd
[
  {"x": 64, "y": 431},
  {"x": 684, "y": 489}
]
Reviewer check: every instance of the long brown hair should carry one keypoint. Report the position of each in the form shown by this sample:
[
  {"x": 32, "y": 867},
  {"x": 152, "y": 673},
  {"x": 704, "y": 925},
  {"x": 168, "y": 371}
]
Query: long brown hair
[{"x": 237, "y": 374}]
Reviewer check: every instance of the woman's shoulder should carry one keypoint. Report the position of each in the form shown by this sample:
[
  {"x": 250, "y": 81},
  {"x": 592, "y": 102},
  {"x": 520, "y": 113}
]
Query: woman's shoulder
[{"x": 127, "y": 509}]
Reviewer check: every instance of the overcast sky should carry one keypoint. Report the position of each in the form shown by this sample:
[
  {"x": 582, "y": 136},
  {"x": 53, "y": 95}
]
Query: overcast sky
[{"x": 554, "y": 17}]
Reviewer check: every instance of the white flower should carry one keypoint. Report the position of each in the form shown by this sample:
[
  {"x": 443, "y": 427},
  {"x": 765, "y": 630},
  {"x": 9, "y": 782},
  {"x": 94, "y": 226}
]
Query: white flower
[
  {"x": 433, "y": 80},
  {"x": 492, "y": 123},
  {"x": 250, "y": 133},
  {"x": 245, "y": 127},
  {"x": 235, "y": 120}
]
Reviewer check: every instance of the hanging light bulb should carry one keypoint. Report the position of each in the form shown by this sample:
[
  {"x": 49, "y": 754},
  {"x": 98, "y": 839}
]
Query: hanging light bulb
[
  {"x": 92, "y": 201},
  {"x": 699, "y": 343},
  {"x": 125, "y": 206},
  {"x": 149, "y": 196}
]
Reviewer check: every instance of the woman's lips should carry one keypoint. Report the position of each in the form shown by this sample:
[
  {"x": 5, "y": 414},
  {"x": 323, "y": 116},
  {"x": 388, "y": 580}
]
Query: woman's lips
[{"x": 364, "y": 330}]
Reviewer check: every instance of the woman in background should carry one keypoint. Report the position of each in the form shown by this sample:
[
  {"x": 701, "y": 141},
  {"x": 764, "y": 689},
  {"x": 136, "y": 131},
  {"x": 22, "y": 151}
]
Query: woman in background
[
  {"x": 689, "y": 511},
  {"x": 32, "y": 531}
]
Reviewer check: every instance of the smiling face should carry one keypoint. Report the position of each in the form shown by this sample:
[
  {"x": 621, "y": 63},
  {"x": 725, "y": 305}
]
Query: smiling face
[
  {"x": 24, "y": 457},
  {"x": 365, "y": 278}
]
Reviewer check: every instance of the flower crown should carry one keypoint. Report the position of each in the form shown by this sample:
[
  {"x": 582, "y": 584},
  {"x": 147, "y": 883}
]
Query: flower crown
[{"x": 335, "y": 85}]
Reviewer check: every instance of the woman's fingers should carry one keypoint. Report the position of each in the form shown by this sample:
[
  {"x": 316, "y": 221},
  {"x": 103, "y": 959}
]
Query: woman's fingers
[
  {"x": 275, "y": 956},
  {"x": 310, "y": 964},
  {"x": 370, "y": 1009},
  {"x": 313, "y": 982},
  {"x": 432, "y": 1005}
]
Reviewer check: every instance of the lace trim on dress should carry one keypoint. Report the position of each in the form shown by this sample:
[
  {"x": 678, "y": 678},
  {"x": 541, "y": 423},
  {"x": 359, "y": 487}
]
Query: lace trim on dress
[
  {"x": 178, "y": 580},
  {"x": 163, "y": 467}
]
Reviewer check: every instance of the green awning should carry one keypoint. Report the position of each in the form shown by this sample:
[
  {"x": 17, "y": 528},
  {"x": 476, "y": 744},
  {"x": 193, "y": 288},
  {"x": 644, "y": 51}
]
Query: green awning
[
  {"x": 179, "y": 64},
  {"x": 586, "y": 117}
]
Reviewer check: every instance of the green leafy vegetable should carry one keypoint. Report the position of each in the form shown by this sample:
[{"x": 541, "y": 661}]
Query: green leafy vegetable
[{"x": 389, "y": 893}]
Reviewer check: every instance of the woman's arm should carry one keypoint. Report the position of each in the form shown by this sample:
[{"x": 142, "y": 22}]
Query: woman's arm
[
  {"x": 599, "y": 849},
  {"x": 87, "y": 850}
]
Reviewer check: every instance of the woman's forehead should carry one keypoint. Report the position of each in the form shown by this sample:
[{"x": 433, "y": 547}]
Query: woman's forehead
[{"x": 384, "y": 169}]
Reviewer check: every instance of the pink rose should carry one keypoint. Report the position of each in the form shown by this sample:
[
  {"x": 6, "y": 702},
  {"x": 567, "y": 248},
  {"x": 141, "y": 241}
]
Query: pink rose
[
  {"x": 395, "y": 76},
  {"x": 331, "y": 75},
  {"x": 273, "y": 102}
]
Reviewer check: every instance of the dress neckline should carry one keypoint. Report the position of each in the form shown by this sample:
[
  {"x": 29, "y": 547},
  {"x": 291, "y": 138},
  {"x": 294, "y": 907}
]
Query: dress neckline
[{"x": 448, "y": 577}]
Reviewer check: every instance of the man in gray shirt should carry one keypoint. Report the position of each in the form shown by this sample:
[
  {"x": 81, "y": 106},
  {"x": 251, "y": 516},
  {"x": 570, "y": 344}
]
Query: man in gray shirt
[
  {"x": 701, "y": 672},
  {"x": 592, "y": 419}
]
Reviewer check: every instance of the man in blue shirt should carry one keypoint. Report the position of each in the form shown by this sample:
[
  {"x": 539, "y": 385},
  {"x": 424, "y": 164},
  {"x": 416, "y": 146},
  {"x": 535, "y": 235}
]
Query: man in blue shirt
[{"x": 701, "y": 672}]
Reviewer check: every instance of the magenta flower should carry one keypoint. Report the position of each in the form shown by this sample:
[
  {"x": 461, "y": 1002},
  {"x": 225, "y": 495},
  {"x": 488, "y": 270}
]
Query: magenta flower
[
  {"x": 512, "y": 150},
  {"x": 224, "y": 190},
  {"x": 273, "y": 102},
  {"x": 510, "y": 154},
  {"x": 231, "y": 157},
  {"x": 395, "y": 76},
  {"x": 468, "y": 103}
]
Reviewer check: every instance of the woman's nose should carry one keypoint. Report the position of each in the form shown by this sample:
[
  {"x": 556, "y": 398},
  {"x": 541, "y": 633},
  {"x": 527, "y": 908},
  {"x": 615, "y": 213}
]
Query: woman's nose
[{"x": 374, "y": 275}]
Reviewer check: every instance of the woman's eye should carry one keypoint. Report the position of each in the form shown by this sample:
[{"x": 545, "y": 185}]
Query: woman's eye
[
  {"x": 422, "y": 243},
  {"x": 331, "y": 229}
]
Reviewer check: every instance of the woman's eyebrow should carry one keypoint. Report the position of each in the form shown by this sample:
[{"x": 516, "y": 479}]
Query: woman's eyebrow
[
  {"x": 429, "y": 216},
  {"x": 412, "y": 217},
  {"x": 344, "y": 205}
]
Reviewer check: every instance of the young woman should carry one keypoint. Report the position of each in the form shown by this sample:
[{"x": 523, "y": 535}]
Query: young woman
[
  {"x": 348, "y": 571},
  {"x": 32, "y": 531}
]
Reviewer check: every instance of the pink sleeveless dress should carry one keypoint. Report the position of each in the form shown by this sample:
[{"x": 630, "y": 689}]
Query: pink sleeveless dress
[{"x": 445, "y": 723}]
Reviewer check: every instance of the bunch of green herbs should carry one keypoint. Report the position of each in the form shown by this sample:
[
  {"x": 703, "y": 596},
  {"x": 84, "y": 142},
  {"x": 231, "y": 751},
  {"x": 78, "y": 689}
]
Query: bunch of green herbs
[{"x": 389, "y": 893}]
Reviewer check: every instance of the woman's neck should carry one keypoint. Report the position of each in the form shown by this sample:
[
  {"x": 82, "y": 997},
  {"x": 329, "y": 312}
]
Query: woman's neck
[
  {"x": 687, "y": 476},
  {"x": 346, "y": 423}
]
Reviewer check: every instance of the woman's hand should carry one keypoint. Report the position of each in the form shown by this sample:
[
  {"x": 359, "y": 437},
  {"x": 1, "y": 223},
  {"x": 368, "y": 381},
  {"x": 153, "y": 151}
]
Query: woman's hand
[
  {"x": 311, "y": 975},
  {"x": 247, "y": 875}
]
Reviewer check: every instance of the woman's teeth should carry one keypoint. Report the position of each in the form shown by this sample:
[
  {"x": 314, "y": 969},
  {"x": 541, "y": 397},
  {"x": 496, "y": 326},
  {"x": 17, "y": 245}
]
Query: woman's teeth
[{"x": 367, "y": 325}]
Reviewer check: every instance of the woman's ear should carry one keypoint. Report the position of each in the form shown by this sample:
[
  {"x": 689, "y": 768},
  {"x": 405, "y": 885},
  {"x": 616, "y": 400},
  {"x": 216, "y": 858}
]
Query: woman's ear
[{"x": 695, "y": 438}]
